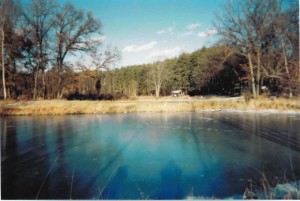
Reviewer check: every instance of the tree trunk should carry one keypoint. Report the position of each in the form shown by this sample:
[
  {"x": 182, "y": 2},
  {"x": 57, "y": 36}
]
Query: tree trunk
[
  {"x": 258, "y": 73},
  {"x": 3, "y": 64},
  {"x": 252, "y": 75},
  {"x": 157, "y": 91},
  {"x": 44, "y": 85},
  {"x": 59, "y": 90},
  {"x": 287, "y": 70},
  {"x": 35, "y": 83},
  {"x": 60, "y": 94}
]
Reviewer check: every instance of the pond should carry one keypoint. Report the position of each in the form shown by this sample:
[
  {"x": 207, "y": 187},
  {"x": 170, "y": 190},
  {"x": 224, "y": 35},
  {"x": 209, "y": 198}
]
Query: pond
[{"x": 146, "y": 155}]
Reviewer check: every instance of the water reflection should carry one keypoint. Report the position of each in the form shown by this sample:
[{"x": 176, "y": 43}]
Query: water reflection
[
  {"x": 114, "y": 185},
  {"x": 171, "y": 186},
  {"x": 9, "y": 147},
  {"x": 128, "y": 156},
  {"x": 279, "y": 128},
  {"x": 17, "y": 158}
]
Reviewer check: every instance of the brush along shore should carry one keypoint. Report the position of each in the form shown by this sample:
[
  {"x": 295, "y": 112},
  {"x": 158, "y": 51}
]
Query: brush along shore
[{"x": 147, "y": 104}]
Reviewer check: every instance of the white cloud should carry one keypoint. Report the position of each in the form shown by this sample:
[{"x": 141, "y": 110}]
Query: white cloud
[
  {"x": 139, "y": 48},
  {"x": 206, "y": 33},
  {"x": 103, "y": 38},
  {"x": 211, "y": 32},
  {"x": 190, "y": 29},
  {"x": 192, "y": 26},
  {"x": 161, "y": 32},
  {"x": 187, "y": 33},
  {"x": 99, "y": 38},
  {"x": 163, "y": 54},
  {"x": 202, "y": 34},
  {"x": 168, "y": 30}
]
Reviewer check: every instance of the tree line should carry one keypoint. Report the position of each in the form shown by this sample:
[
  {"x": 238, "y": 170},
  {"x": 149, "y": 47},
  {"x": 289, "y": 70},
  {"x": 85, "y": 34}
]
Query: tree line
[
  {"x": 205, "y": 71},
  {"x": 258, "y": 49},
  {"x": 37, "y": 38}
]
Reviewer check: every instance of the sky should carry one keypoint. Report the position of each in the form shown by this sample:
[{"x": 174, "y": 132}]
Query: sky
[{"x": 148, "y": 30}]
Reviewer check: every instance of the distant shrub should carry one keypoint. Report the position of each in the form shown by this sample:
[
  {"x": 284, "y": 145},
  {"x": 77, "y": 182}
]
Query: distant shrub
[
  {"x": 120, "y": 96},
  {"x": 78, "y": 96},
  {"x": 23, "y": 97},
  {"x": 194, "y": 92},
  {"x": 106, "y": 97}
]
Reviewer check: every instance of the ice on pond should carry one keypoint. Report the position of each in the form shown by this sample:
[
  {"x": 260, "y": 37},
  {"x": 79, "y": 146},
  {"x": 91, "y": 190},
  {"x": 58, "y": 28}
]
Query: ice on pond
[{"x": 139, "y": 156}]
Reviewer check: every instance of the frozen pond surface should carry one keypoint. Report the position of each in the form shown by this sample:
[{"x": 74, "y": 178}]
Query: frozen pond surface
[{"x": 145, "y": 156}]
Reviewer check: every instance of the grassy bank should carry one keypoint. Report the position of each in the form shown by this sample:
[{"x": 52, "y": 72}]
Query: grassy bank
[{"x": 145, "y": 104}]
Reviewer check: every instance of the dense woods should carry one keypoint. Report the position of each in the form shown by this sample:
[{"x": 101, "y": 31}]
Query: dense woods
[{"x": 258, "y": 52}]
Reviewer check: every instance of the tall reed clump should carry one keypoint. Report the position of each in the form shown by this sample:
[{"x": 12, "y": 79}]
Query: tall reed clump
[
  {"x": 265, "y": 189},
  {"x": 279, "y": 104}
]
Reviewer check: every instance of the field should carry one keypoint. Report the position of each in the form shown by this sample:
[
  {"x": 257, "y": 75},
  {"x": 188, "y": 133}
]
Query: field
[{"x": 148, "y": 104}]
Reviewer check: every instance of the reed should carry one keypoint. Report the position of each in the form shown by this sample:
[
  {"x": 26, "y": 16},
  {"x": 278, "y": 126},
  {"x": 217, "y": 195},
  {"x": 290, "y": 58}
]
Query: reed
[
  {"x": 270, "y": 190},
  {"x": 146, "y": 104}
]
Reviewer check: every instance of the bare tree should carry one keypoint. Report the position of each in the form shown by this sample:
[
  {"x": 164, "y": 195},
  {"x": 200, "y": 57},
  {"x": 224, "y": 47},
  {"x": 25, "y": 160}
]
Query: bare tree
[
  {"x": 38, "y": 15},
  {"x": 159, "y": 75},
  {"x": 77, "y": 31},
  {"x": 242, "y": 26},
  {"x": 2, "y": 52},
  {"x": 9, "y": 16},
  {"x": 258, "y": 30},
  {"x": 106, "y": 59},
  {"x": 99, "y": 61},
  {"x": 96, "y": 59},
  {"x": 286, "y": 32}
]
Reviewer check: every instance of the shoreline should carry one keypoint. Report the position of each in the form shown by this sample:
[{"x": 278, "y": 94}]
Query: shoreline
[{"x": 149, "y": 104}]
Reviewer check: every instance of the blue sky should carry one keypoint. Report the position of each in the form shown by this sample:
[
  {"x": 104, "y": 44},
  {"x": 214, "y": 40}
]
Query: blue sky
[{"x": 149, "y": 30}]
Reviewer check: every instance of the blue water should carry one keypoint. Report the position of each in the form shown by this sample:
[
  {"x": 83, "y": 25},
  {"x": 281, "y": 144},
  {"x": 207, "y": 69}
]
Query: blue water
[{"x": 146, "y": 156}]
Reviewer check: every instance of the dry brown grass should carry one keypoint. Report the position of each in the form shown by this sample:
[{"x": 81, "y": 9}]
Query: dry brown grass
[{"x": 145, "y": 104}]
